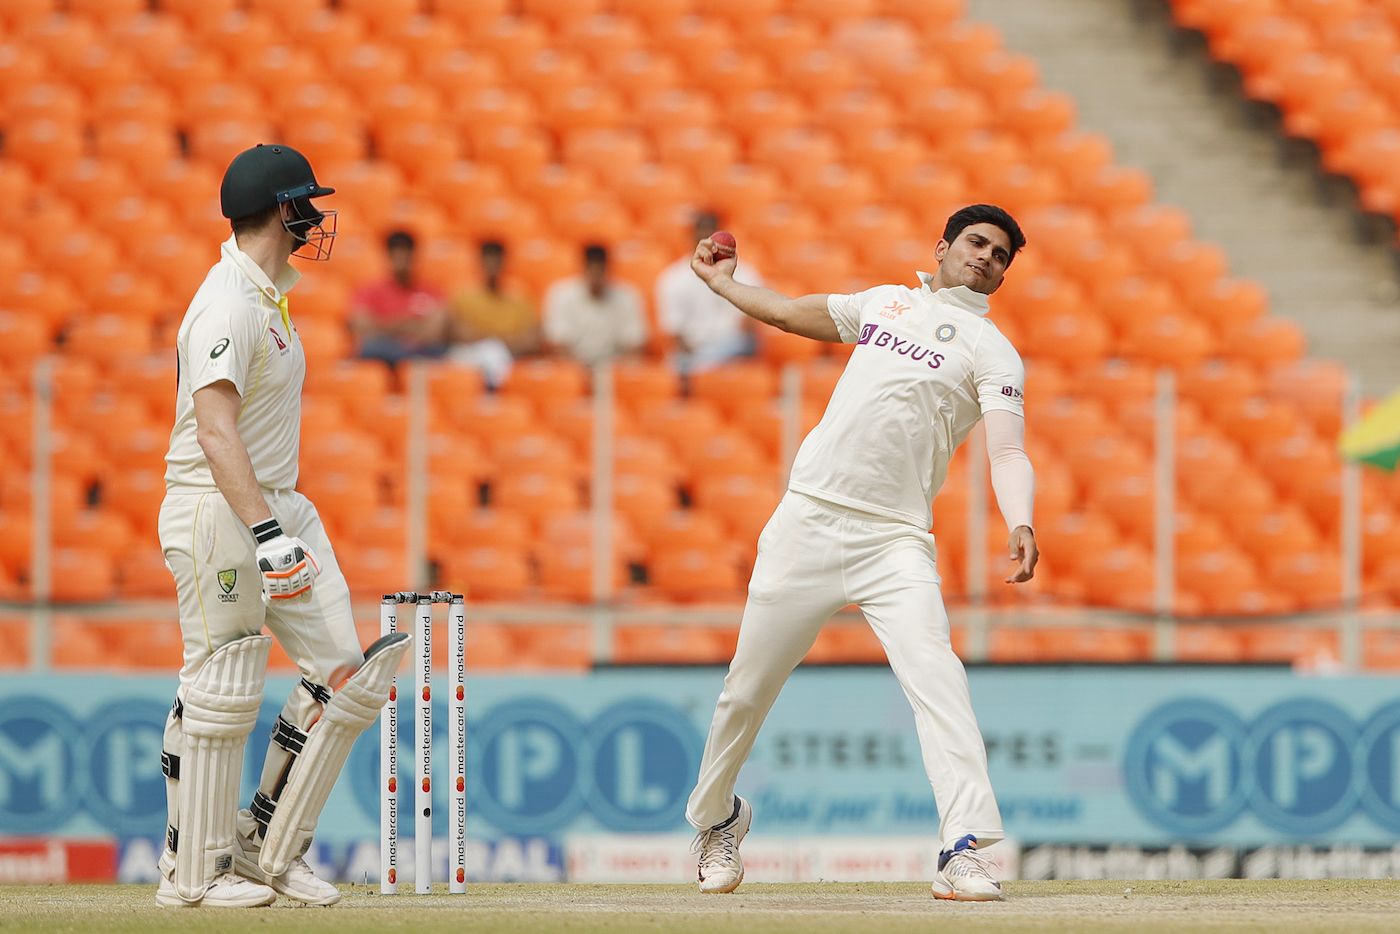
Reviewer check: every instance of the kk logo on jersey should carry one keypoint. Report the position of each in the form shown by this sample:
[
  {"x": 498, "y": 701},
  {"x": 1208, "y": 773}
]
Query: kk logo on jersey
[{"x": 893, "y": 310}]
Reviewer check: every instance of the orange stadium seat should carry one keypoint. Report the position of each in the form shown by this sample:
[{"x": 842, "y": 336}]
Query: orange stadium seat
[
  {"x": 20, "y": 67},
  {"x": 685, "y": 529},
  {"x": 535, "y": 496},
  {"x": 142, "y": 575},
  {"x": 51, "y": 100},
  {"x": 681, "y": 424},
  {"x": 637, "y": 454},
  {"x": 734, "y": 386},
  {"x": 1209, "y": 643},
  {"x": 45, "y": 146},
  {"x": 20, "y": 13},
  {"x": 22, "y": 339},
  {"x": 1287, "y": 643},
  {"x": 846, "y": 644},
  {"x": 742, "y": 502},
  {"x": 690, "y": 574},
  {"x": 82, "y": 575},
  {"x": 76, "y": 643},
  {"x": 1115, "y": 646},
  {"x": 640, "y": 644},
  {"x": 555, "y": 646},
  {"x": 645, "y": 499}
]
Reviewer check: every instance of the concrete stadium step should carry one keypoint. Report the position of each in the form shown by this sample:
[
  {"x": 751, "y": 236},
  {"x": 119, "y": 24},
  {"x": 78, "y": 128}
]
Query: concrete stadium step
[{"x": 1156, "y": 99}]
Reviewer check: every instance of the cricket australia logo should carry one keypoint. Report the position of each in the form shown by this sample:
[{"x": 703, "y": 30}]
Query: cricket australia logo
[{"x": 228, "y": 579}]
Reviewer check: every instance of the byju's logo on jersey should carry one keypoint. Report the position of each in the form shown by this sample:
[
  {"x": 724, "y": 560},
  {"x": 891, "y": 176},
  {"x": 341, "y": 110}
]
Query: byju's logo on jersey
[{"x": 872, "y": 334}]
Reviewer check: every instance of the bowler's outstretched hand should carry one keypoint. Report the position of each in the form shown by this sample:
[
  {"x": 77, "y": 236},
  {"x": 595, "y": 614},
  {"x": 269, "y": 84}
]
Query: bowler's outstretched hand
[
  {"x": 712, "y": 260},
  {"x": 1024, "y": 552}
]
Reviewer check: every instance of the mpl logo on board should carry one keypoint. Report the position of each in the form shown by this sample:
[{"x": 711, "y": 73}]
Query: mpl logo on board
[{"x": 1302, "y": 766}]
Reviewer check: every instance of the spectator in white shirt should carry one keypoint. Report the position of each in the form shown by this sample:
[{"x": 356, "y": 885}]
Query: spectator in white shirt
[
  {"x": 593, "y": 318},
  {"x": 707, "y": 328}
]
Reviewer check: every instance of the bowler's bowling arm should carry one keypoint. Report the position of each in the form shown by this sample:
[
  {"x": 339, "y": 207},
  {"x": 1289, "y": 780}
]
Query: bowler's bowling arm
[{"x": 805, "y": 315}]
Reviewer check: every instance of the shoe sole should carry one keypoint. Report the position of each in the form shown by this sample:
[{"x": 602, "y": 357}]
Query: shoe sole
[
  {"x": 175, "y": 901},
  {"x": 728, "y": 890},
  {"x": 253, "y": 873},
  {"x": 955, "y": 897}
]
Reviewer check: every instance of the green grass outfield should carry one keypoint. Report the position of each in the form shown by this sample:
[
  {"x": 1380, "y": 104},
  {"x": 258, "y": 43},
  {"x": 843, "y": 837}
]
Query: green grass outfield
[{"x": 1265, "y": 906}]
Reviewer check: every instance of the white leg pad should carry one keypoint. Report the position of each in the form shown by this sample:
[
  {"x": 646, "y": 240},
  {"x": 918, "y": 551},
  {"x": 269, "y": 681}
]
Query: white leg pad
[
  {"x": 220, "y": 710},
  {"x": 349, "y": 713}
]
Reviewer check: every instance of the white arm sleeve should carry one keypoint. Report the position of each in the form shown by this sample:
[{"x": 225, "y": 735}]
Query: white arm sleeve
[{"x": 1013, "y": 479}]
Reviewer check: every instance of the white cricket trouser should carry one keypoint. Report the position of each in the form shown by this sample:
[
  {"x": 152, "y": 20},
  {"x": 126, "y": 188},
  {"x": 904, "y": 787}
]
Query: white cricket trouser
[
  {"x": 815, "y": 557},
  {"x": 211, "y": 553}
]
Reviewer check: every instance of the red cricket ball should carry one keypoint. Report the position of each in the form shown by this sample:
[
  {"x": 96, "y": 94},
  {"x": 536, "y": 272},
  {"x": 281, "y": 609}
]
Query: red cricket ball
[{"x": 725, "y": 242}]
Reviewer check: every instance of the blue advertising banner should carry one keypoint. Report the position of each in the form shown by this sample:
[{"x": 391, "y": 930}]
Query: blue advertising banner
[{"x": 1145, "y": 757}]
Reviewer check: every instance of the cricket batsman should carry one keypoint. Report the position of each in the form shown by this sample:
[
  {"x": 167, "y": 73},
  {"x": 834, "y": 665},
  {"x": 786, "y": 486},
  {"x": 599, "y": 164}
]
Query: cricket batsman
[
  {"x": 853, "y": 527},
  {"x": 247, "y": 550}
]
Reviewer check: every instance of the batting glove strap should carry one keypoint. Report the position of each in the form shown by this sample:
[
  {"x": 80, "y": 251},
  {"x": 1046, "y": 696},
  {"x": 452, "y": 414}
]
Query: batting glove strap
[{"x": 266, "y": 530}]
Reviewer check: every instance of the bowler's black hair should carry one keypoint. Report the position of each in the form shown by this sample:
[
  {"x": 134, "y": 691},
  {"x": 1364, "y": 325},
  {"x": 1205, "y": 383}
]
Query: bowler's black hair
[
  {"x": 985, "y": 214},
  {"x": 399, "y": 239},
  {"x": 595, "y": 253}
]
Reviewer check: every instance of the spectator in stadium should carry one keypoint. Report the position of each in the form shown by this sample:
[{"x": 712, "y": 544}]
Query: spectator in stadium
[
  {"x": 592, "y": 317},
  {"x": 490, "y": 310},
  {"x": 399, "y": 317},
  {"x": 707, "y": 328},
  {"x": 489, "y": 326}
]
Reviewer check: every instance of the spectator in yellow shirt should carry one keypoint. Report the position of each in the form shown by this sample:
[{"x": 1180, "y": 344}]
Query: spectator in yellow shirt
[{"x": 489, "y": 311}]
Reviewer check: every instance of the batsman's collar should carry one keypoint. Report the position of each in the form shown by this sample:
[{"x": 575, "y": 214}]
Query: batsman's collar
[
  {"x": 274, "y": 290},
  {"x": 959, "y": 296}
]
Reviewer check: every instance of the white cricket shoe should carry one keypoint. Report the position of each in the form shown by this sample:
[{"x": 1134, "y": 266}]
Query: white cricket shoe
[
  {"x": 226, "y": 891},
  {"x": 965, "y": 875},
  {"x": 298, "y": 882},
  {"x": 720, "y": 868}
]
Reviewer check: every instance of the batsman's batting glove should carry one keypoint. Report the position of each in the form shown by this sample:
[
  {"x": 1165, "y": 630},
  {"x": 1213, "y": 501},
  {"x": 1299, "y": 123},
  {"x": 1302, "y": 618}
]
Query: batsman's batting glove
[{"x": 287, "y": 564}]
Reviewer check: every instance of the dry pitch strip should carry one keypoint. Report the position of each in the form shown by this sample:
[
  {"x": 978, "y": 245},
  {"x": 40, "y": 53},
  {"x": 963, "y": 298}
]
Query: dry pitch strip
[{"x": 1137, "y": 907}]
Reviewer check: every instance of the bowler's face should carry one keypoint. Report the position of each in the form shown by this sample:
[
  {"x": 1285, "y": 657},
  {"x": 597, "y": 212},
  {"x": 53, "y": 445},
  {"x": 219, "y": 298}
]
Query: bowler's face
[{"x": 977, "y": 258}]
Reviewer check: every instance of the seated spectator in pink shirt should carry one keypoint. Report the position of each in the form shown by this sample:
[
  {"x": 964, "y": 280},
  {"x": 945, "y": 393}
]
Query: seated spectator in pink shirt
[{"x": 399, "y": 317}]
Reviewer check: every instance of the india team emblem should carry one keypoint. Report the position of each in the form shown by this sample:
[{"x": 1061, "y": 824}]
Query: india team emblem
[
  {"x": 945, "y": 333},
  {"x": 227, "y": 579}
]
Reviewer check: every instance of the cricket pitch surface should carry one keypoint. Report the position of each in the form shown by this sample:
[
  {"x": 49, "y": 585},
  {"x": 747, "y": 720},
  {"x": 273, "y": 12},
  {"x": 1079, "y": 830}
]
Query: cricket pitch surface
[{"x": 1351, "y": 905}]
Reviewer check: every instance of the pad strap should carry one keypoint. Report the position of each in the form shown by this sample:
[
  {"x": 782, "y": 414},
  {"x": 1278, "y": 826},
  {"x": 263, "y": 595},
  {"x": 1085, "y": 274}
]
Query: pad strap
[
  {"x": 321, "y": 693},
  {"x": 262, "y": 808},
  {"x": 288, "y": 737},
  {"x": 170, "y": 765}
]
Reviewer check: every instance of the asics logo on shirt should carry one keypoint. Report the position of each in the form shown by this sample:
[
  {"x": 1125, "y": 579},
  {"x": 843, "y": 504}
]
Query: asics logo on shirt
[{"x": 873, "y": 335}]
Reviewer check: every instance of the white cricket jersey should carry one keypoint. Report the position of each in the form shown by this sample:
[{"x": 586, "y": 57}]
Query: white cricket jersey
[
  {"x": 237, "y": 328},
  {"x": 926, "y": 366}
]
